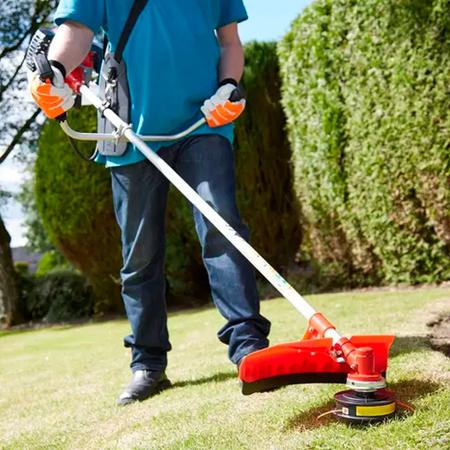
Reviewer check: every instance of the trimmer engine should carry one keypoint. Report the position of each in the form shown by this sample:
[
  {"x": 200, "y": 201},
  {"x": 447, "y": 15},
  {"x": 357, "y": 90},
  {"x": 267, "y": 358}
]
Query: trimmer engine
[{"x": 40, "y": 44}]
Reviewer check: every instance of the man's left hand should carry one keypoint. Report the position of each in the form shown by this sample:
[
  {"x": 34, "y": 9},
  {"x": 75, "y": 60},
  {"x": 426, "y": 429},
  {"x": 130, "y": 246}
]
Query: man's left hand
[{"x": 225, "y": 106}]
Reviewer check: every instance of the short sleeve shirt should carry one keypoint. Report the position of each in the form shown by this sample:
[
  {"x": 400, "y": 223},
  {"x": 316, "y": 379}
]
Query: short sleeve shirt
[{"x": 172, "y": 59}]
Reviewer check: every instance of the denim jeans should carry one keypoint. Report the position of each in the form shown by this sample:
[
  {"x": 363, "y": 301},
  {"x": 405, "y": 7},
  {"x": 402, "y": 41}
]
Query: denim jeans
[{"x": 140, "y": 192}]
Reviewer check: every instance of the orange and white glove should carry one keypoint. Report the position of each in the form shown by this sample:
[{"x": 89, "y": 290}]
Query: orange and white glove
[
  {"x": 226, "y": 105},
  {"x": 53, "y": 97}
]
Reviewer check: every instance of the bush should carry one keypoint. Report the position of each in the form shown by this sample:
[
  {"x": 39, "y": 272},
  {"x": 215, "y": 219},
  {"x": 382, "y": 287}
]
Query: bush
[
  {"x": 264, "y": 176},
  {"x": 22, "y": 267},
  {"x": 366, "y": 94},
  {"x": 25, "y": 284},
  {"x": 74, "y": 201},
  {"x": 35, "y": 234},
  {"x": 264, "y": 181},
  {"x": 60, "y": 296},
  {"x": 51, "y": 261}
]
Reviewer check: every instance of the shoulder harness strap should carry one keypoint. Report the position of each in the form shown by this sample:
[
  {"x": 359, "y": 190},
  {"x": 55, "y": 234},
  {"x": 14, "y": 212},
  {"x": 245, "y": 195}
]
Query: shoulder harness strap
[{"x": 136, "y": 10}]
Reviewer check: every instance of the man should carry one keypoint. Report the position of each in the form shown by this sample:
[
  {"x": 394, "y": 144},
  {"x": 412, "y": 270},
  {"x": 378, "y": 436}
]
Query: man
[{"x": 179, "y": 53}]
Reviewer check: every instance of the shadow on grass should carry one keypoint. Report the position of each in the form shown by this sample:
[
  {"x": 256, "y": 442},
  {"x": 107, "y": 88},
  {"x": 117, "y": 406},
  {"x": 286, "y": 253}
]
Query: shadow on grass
[
  {"x": 406, "y": 391},
  {"x": 216, "y": 378},
  {"x": 408, "y": 344}
]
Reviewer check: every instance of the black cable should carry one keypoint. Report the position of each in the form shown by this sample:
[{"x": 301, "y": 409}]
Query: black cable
[{"x": 74, "y": 146}]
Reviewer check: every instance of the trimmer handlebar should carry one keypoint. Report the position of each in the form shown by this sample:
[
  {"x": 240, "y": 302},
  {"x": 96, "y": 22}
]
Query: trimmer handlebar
[
  {"x": 45, "y": 71},
  {"x": 89, "y": 94}
]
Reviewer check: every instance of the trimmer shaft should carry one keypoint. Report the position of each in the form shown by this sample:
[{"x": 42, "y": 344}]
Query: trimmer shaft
[{"x": 365, "y": 407}]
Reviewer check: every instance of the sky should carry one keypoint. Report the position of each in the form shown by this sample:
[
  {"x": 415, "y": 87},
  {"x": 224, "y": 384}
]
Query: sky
[{"x": 268, "y": 20}]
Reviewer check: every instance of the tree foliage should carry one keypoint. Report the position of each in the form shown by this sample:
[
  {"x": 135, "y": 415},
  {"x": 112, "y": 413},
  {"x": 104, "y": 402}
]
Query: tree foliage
[
  {"x": 18, "y": 22},
  {"x": 366, "y": 94},
  {"x": 35, "y": 233}
]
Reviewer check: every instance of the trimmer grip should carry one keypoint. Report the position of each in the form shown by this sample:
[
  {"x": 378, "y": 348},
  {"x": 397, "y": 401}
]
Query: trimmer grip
[
  {"x": 43, "y": 68},
  {"x": 46, "y": 75},
  {"x": 238, "y": 94}
]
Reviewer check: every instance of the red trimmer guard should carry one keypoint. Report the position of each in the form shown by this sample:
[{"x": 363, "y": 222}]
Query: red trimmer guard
[{"x": 306, "y": 361}]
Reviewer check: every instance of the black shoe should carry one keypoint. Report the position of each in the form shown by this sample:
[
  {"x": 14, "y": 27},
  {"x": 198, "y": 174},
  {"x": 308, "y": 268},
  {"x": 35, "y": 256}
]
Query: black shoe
[{"x": 144, "y": 384}]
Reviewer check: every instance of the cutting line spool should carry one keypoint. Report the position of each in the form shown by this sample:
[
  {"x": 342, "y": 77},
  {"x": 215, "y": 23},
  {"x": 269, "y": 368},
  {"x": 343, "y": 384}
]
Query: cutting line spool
[{"x": 365, "y": 407}]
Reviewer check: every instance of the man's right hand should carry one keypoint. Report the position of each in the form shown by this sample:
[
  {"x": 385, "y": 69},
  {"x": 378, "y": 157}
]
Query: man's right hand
[{"x": 55, "y": 97}]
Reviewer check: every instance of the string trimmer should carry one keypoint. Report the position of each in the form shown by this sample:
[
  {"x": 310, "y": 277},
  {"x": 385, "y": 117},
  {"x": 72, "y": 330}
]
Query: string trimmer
[{"x": 323, "y": 355}]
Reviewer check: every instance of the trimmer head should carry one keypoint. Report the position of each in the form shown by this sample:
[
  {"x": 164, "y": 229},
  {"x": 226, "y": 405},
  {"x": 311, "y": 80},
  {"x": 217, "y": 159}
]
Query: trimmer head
[
  {"x": 360, "y": 362},
  {"x": 365, "y": 407}
]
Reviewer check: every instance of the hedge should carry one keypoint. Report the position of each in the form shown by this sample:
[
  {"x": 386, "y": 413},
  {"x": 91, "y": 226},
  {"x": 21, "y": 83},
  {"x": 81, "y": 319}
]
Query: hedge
[
  {"x": 73, "y": 198},
  {"x": 264, "y": 174},
  {"x": 365, "y": 89},
  {"x": 59, "y": 296}
]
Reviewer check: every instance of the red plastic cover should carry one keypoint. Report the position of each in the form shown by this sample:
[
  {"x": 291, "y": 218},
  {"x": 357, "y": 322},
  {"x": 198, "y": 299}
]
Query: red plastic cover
[{"x": 309, "y": 356}]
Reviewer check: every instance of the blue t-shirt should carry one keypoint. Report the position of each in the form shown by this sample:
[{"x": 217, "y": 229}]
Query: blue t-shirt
[{"x": 172, "y": 59}]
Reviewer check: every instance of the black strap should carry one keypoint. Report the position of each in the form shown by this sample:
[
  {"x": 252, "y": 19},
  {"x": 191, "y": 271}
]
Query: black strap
[
  {"x": 105, "y": 43},
  {"x": 138, "y": 7}
]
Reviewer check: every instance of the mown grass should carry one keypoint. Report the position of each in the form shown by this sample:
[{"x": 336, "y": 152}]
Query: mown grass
[{"x": 59, "y": 385}]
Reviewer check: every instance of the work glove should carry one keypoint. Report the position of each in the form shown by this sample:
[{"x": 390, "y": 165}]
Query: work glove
[
  {"x": 53, "y": 97},
  {"x": 226, "y": 105}
]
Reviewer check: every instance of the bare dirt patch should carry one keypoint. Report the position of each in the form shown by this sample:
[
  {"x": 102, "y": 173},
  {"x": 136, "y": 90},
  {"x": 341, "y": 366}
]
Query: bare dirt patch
[{"x": 440, "y": 334}]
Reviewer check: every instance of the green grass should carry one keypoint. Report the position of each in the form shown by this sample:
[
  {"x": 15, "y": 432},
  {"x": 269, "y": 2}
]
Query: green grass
[{"x": 59, "y": 385}]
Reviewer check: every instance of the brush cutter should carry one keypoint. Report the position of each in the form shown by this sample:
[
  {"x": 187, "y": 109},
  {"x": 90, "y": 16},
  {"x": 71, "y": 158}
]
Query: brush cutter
[{"x": 323, "y": 355}]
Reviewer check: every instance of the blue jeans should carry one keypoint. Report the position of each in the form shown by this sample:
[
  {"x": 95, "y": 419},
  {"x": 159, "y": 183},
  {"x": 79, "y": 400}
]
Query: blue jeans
[{"x": 140, "y": 192}]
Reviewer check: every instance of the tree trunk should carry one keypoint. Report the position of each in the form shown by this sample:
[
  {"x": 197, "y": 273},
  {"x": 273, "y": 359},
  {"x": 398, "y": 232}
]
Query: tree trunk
[{"x": 9, "y": 295}]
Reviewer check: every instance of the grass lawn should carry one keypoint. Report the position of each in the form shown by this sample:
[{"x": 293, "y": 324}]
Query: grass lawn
[{"x": 59, "y": 385}]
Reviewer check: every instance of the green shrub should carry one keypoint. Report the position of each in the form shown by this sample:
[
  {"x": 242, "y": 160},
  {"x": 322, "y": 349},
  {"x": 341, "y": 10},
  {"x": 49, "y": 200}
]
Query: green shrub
[
  {"x": 366, "y": 94},
  {"x": 22, "y": 267},
  {"x": 60, "y": 296},
  {"x": 35, "y": 234},
  {"x": 50, "y": 261},
  {"x": 264, "y": 182},
  {"x": 74, "y": 201},
  {"x": 264, "y": 177},
  {"x": 25, "y": 284}
]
